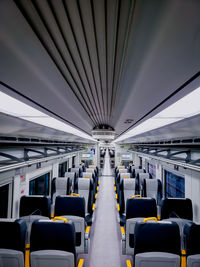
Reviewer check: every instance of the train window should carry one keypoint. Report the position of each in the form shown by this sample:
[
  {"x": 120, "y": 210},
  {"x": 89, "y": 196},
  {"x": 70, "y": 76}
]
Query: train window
[
  {"x": 40, "y": 185},
  {"x": 63, "y": 167},
  {"x": 152, "y": 170},
  {"x": 4, "y": 194},
  {"x": 174, "y": 185}
]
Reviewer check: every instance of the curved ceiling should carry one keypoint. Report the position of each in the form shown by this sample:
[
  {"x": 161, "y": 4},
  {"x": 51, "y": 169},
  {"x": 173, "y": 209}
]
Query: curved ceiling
[{"x": 93, "y": 62}]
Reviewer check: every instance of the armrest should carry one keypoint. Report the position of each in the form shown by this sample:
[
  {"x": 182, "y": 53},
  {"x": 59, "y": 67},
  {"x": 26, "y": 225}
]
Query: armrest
[
  {"x": 123, "y": 233},
  {"x": 87, "y": 232},
  {"x": 128, "y": 263},
  {"x": 81, "y": 263}
]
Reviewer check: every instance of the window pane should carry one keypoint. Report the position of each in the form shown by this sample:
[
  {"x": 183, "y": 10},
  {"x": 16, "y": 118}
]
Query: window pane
[
  {"x": 4, "y": 201},
  {"x": 152, "y": 170},
  {"x": 174, "y": 185},
  {"x": 40, "y": 185}
]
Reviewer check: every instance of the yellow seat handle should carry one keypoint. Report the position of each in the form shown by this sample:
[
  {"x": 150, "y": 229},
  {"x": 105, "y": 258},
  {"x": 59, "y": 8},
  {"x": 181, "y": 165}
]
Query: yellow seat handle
[
  {"x": 150, "y": 218},
  {"x": 136, "y": 196},
  {"x": 74, "y": 194},
  {"x": 60, "y": 218}
]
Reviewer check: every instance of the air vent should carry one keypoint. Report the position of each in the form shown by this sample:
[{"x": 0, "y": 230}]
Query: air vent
[{"x": 103, "y": 133}]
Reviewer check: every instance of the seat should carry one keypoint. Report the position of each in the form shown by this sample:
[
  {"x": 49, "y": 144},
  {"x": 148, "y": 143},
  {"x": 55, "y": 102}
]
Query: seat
[
  {"x": 152, "y": 188},
  {"x": 133, "y": 168},
  {"x": 52, "y": 244},
  {"x": 61, "y": 186},
  {"x": 120, "y": 177},
  {"x": 33, "y": 208},
  {"x": 127, "y": 190},
  {"x": 192, "y": 237},
  {"x": 177, "y": 210},
  {"x": 73, "y": 176},
  {"x": 136, "y": 210},
  {"x": 140, "y": 176},
  {"x": 94, "y": 178},
  {"x": 73, "y": 208},
  {"x": 85, "y": 189},
  {"x": 12, "y": 242},
  {"x": 157, "y": 245},
  {"x": 37, "y": 205}
]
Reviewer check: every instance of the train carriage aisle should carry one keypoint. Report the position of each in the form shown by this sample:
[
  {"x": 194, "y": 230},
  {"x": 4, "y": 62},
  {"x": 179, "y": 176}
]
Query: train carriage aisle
[{"x": 105, "y": 246}]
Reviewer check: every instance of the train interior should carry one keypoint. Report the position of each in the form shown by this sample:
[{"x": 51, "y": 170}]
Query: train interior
[{"x": 100, "y": 133}]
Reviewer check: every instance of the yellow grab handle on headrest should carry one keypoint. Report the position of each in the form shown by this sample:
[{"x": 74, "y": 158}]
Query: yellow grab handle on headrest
[
  {"x": 60, "y": 218},
  {"x": 86, "y": 176},
  {"x": 125, "y": 177},
  {"x": 136, "y": 196},
  {"x": 74, "y": 194},
  {"x": 92, "y": 163},
  {"x": 150, "y": 218}
]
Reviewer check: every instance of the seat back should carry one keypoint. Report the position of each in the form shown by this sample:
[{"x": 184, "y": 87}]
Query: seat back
[
  {"x": 176, "y": 208},
  {"x": 85, "y": 189},
  {"x": 12, "y": 242},
  {"x": 157, "y": 244},
  {"x": 127, "y": 190},
  {"x": 37, "y": 205},
  {"x": 73, "y": 176},
  {"x": 151, "y": 188},
  {"x": 52, "y": 244},
  {"x": 133, "y": 168},
  {"x": 140, "y": 176},
  {"x": 136, "y": 210},
  {"x": 62, "y": 186},
  {"x": 73, "y": 208},
  {"x": 125, "y": 175}
]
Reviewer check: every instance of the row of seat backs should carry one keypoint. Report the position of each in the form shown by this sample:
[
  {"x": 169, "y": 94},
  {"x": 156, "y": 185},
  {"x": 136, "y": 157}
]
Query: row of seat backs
[
  {"x": 170, "y": 208},
  {"x": 46, "y": 235}
]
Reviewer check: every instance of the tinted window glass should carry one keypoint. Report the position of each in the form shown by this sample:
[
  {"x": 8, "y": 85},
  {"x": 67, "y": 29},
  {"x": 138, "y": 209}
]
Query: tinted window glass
[
  {"x": 4, "y": 201},
  {"x": 62, "y": 169},
  {"x": 174, "y": 185},
  {"x": 40, "y": 185}
]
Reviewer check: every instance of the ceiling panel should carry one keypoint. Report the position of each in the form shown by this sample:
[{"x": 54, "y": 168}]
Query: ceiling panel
[{"x": 93, "y": 62}]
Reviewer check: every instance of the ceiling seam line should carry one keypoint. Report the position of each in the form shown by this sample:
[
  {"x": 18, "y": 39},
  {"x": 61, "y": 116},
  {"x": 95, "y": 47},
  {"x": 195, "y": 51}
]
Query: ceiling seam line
[
  {"x": 100, "y": 109},
  {"x": 95, "y": 33},
  {"x": 67, "y": 13},
  {"x": 61, "y": 31}
]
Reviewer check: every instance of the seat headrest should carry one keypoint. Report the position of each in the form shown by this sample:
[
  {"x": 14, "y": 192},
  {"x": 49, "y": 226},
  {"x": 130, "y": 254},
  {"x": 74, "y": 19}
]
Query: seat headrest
[
  {"x": 192, "y": 234},
  {"x": 122, "y": 171},
  {"x": 12, "y": 234},
  {"x": 38, "y": 205},
  {"x": 151, "y": 184},
  {"x": 70, "y": 205},
  {"x": 71, "y": 175},
  {"x": 89, "y": 170},
  {"x": 61, "y": 183},
  {"x": 125, "y": 175},
  {"x": 157, "y": 237},
  {"x": 144, "y": 175},
  {"x": 87, "y": 174},
  {"x": 176, "y": 207},
  {"x": 129, "y": 184},
  {"x": 49, "y": 235},
  {"x": 141, "y": 207}
]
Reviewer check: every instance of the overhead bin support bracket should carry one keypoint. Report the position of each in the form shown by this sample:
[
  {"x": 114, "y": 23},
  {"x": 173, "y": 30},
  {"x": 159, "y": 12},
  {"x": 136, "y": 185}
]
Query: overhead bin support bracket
[
  {"x": 187, "y": 152},
  {"x": 8, "y": 156},
  {"x": 27, "y": 150}
]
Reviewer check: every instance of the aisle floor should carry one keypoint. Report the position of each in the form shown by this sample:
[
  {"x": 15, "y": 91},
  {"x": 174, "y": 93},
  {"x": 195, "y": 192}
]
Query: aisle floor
[{"x": 105, "y": 247}]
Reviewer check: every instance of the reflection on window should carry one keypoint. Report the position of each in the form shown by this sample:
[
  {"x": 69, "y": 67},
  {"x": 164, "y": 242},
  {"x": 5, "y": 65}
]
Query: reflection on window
[
  {"x": 4, "y": 201},
  {"x": 152, "y": 170},
  {"x": 40, "y": 185},
  {"x": 174, "y": 185}
]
